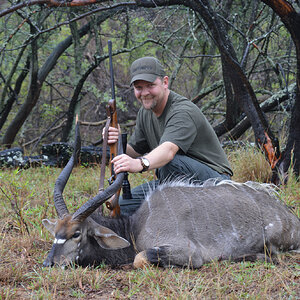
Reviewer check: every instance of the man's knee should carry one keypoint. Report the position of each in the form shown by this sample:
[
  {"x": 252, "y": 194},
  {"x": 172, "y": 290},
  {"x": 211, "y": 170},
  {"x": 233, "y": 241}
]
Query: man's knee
[
  {"x": 175, "y": 169},
  {"x": 186, "y": 168}
]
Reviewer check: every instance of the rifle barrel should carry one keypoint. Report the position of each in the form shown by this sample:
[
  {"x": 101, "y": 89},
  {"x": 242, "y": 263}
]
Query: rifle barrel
[{"x": 112, "y": 80}]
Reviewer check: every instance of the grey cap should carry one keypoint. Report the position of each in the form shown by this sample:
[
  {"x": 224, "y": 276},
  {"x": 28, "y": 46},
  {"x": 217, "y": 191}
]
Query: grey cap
[{"x": 146, "y": 68}]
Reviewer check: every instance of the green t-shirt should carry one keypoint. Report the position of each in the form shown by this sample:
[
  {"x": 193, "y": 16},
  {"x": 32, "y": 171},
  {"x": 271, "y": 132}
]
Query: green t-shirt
[{"x": 183, "y": 124}]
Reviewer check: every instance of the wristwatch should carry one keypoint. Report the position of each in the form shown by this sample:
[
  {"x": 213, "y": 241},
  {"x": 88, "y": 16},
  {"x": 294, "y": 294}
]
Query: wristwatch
[{"x": 145, "y": 164}]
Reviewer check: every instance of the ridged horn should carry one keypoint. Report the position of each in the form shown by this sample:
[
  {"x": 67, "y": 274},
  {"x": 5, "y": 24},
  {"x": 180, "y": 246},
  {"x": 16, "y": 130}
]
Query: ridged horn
[
  {"x": 60, "y": 205},
  {"x": 92, "y": 204}
]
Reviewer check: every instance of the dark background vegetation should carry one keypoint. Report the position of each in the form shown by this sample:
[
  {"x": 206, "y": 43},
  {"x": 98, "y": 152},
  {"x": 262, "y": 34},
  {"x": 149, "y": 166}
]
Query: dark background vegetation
[{"x": 238, "y": 60}]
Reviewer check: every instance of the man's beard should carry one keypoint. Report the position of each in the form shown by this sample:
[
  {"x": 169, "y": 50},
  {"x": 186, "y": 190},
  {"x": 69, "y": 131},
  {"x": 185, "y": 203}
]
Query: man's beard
[{"x": 152, "y": 106}]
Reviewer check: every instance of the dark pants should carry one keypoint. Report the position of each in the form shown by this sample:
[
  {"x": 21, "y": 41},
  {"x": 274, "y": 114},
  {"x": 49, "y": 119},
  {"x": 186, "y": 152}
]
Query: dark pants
[{"x": 181, "y": 168}]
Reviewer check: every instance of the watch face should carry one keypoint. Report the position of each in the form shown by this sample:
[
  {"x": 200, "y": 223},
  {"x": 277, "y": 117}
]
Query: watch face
[{"x": 146, "y": 162}]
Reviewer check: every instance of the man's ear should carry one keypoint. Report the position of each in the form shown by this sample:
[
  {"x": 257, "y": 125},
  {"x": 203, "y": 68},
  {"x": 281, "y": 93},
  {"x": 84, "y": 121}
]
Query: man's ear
[{"x": 166, "y": 81}]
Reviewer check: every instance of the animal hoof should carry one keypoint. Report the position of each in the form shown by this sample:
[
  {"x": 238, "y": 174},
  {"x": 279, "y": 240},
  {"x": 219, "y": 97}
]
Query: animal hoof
[{"x": 140, "y": 260}]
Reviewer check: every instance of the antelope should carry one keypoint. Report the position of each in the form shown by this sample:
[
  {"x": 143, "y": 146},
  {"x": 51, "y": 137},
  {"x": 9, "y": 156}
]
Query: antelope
[{"x": 178, "y": 224}]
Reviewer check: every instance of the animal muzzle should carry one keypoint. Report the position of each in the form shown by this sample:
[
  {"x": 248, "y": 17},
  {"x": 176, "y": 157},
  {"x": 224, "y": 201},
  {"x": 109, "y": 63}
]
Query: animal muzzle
[
  {"x": 48, "y": 262},
  {"x": 55, "y": 252}
]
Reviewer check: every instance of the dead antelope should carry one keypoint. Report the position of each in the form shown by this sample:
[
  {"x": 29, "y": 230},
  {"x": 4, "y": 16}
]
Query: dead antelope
[{"x": 178, "y": 224}]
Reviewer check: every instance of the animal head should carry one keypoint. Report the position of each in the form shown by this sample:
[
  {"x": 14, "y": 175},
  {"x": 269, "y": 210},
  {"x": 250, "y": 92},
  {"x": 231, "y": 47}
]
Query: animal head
[
  {"x": 73, "y": 241},
  {"x": 75, "y": 235}
]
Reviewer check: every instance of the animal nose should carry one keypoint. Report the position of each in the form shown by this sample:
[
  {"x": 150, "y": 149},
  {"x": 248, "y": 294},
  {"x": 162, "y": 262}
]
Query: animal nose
[{"x": 48, "y": 263}]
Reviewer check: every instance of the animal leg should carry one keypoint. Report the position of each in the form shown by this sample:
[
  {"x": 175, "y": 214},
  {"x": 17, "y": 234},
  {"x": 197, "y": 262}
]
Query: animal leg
[
  {"x": 155, "y": 256},
  {"x": 166, "y": 256},
  {"x": 255, "y": 257}
]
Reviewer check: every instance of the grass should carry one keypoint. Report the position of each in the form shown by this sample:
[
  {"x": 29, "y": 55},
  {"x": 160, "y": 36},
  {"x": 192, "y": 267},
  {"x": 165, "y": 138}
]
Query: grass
[
  {"x": 26, "y": 198},
  {"x": 250, "y": 164}
]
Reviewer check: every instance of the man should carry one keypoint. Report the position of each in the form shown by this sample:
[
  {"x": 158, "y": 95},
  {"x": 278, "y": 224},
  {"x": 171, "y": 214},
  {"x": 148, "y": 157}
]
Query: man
[{"x": 171, "y": 135}]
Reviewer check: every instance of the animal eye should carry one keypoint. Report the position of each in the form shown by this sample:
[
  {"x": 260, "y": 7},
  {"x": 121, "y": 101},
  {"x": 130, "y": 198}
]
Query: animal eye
[{"x": 76, "y": 235}]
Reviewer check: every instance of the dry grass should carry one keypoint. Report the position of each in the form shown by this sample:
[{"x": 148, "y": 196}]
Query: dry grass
[
  {"x": 250, "y": 164},
  {"x": 26, "y": 198}
]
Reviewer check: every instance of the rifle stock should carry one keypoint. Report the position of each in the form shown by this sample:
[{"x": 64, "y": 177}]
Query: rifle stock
[
  {"x": 111, "y": 110},
  {"x": 113, "y": 204}
]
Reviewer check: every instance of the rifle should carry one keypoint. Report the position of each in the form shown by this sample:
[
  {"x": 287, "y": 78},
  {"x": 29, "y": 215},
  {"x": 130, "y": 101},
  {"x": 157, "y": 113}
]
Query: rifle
[
  {"x": 126, "y": 185},
  {"x": 111, "y": 111}
]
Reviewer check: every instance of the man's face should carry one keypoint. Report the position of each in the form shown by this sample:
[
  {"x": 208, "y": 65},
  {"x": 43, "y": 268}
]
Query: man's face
[{"x": 151, "y": 94}]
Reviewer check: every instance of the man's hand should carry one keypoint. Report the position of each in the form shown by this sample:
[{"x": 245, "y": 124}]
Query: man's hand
[
  {"x": 124, "y": 163},
  {"x": 113, "y": 135}
]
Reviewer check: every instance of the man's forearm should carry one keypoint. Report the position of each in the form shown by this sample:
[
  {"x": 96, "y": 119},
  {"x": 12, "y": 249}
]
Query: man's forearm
[
  {"x": 157, "y": 158},
  {"x": 161, "y": 155},
  {"x": 131, "y": 152}
]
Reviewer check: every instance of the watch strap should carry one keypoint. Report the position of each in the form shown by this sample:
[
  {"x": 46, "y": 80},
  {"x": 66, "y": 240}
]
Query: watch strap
[{"x": 145, "y": 168}]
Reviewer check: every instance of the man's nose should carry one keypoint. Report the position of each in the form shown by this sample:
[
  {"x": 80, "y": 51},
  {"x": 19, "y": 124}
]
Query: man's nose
[{"x": 145, "y": 91}]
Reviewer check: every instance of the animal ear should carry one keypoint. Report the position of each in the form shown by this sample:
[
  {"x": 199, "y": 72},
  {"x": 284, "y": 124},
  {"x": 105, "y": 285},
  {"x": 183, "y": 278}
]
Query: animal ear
[
  {"x": 108, "y": 239},
  {"x": 49, "y": 226}
]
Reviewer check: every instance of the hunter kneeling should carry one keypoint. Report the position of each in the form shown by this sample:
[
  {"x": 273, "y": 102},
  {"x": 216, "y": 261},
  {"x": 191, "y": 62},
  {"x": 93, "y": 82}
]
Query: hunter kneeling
[{"x": 171, "y": 136}]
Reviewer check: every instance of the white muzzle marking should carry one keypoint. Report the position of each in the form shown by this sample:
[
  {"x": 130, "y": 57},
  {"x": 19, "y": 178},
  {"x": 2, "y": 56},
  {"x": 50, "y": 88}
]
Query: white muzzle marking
[{"x": 59, "y": 241}]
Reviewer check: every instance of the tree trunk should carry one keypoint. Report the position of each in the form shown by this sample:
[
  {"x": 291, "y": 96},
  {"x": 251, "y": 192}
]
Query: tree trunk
[
  {"x": 291, "y": 20},
  {"x": 233, "y": 111},
  {"x": 33, "y": 93},
  {"x": 270, "y": 104},
  {"x": 15, "y": 93},
  {"x": 75, "y": 99}
]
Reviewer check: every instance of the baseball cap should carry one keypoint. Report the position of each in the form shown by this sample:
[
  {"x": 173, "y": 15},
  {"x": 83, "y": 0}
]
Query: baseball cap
[{"x": 146, "y": 68}]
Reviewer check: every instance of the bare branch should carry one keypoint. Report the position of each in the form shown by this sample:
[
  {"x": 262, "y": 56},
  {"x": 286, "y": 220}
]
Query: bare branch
[
  {"x": 54, "y": 3},
  {"x": 47, "y": 132}
]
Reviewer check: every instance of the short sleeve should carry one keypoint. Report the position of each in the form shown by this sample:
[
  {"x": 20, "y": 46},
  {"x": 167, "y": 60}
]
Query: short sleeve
[{"x": 180, "y": 129}]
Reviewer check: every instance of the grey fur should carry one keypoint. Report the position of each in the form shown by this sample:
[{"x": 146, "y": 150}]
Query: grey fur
[{"x": 189, "y": 225}]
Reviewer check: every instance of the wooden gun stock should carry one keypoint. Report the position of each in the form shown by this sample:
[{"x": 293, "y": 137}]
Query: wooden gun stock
[
  {"x": 113, "y": 203},
  {"x": 111, "y": 110}
]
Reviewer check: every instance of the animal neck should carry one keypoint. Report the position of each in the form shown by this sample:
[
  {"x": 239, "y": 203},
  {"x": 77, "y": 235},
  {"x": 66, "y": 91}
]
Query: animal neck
[
  {"x": 91, "y": 253},
  {"x": 121, "y": 226}
]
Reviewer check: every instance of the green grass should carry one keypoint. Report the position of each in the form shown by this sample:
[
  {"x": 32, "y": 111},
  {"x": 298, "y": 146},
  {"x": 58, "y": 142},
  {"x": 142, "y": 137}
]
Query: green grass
[{"x": 26, "y": 198}]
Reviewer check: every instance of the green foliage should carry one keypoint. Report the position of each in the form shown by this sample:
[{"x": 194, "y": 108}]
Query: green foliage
[
  {"x": 49, "y": 111},
  {"x": 290, "y": 190},
  {"x": 19, "y": 195},
  {"x": 16, "y": 199}
]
